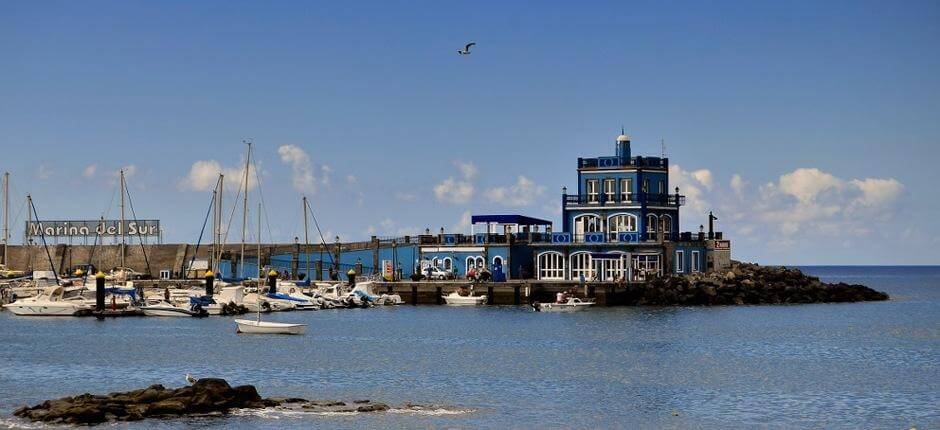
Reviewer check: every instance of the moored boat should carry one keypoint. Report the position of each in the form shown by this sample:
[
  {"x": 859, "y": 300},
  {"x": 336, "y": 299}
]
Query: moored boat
[
  {"x": 573, "y": 304},
  {"x": 456, "y": 299},
  {"x": 48, "y": 303},
  {"x": 268, "y": 327}
]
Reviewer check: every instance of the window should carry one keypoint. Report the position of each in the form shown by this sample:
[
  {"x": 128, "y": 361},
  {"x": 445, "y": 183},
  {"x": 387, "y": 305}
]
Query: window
[
  {"x": 551, "y": 265},
  {"x": 614, "y": 270},
  {"x": 666, "y": 224},
  {"x": 695, "y": 261},
  {"x": 448, "y": 264},
  {"x": 581, "y": 266},
  {"x": 470, "y": 263},
  {"x": 592, "y": 190},
  {"x": 680, "y": 261},
  {"x": 645, "y": 266},
  {"x": 626, "y": 189},
  {"x": 646, "y": 186},
  {"x": 480, "y": 262},
  {"x": 621, "y": 223},
  {"x": 609, "y": 189},
  {"x": 662, "y": 187},
  {"x": 651, "y": 221},
  {"x": 589, "y": 223}
]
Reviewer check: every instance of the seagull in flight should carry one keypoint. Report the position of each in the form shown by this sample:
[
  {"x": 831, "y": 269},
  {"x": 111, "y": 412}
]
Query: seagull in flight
[
  {"x": 190, "y": 379},
  {"x": 466, "y": 49}
]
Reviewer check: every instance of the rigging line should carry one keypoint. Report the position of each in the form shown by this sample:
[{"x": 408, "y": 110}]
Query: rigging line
[
  {"x": 201, "y": 232},
  {"x": 264, "y": 207},
  {"x": 94, "y": 245},
  {"x": 130, "y": 201},
  {"x": 231, "y": 217},
  {"x": 42, "y": 234},
  {"x": 319, "y": 232}
]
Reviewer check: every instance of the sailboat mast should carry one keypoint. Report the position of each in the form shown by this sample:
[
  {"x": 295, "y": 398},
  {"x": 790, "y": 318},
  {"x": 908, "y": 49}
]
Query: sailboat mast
[
  {"x": 260, "y": 277},
  {"x": 28, "y": 238},
  {"x": 241, "y": 264},
  {"x": 6, "y": 214},
  {"x": 218, "y": 256},
  {"x": 123, "y": 236},
  {"x": 306, "y": 242}
]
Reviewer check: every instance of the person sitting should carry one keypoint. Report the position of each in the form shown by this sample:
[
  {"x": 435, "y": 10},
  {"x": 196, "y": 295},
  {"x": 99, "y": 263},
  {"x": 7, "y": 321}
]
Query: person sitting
[{"x": 472, "y": 274}]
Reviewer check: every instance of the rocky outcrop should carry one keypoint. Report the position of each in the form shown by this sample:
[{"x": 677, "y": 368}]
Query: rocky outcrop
[
  {"x": 206, "y": 396},
  {"x": 746, "y": 283}
]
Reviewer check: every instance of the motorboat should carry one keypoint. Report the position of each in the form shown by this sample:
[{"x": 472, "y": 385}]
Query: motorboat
[
  {"x": 267, "y": 327},
  {"x": 167, "y": 309},
  {"x": 254, "y": 303},
  {"x": 364, "y": 291},
  {"x": 49, "y": 302},
  {"x": 572, "y": 304},
  {"x": 456, "y": 299},
  {"x": 227, "y": 296}
]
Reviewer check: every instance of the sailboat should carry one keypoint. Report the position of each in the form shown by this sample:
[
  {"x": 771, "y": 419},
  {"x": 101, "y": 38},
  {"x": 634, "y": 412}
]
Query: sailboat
[{"x": 257, "y": 326}]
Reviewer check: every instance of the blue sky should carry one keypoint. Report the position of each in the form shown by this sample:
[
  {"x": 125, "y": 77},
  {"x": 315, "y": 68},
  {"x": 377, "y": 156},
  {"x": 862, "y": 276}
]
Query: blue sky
[{"x": 811, "y": 128}]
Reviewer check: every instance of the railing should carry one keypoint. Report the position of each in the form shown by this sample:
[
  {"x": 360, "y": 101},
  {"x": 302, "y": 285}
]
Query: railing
[
  {"x": 620, "y": 199},
  {"x": 612, "y": 162},
  {"x": 560, "y": 238}
]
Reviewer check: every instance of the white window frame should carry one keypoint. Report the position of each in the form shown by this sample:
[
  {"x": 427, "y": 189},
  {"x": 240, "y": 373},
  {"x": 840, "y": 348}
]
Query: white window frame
[
  {"x": 558, "y": 267},
  {"x": 593, "y": 193},
  {"x": 666, "y": 226},
  {"x": 695, "y": 263},
  {"x": 646, "y": 186},
  {"x": 580, "y": 227},
  {"x": 613, "y": 229},
  {"x": 662, "y": 186},
  {"x": 612, "y": 269},
  {"x": 626, "y": 189},
  {"x": 680, "y": 261},
  {"x": 651, "y": 226},
  {"x": 610, "y": 189},
  {"x": 585, "y": 266}
]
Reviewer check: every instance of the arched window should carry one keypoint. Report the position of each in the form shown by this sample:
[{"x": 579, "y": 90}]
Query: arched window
[
  {"x": 497, "y": 261},
  {"x": 666, "y": 223},
  {"x": 470, "y": 263},
  {"x": 616, "y": 269},
  {"x": 620, "y": 223},
  {"x": 448, "y": 263},
  {"x": 480, "y": 262},
  {"x": 588, "y": 223},
  {"x": 651, "y": 221},
  {"x": 435, "y": 262},
  {"x": 581, "y": 265},
  {"x": 551, "y": 265}
]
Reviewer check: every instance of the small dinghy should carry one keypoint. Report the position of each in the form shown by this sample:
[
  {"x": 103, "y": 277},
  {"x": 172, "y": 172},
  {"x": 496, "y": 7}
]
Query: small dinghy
[
  {"x": 455, "y": 299},
  {"x": 573, "y": 304},
  {"x": 267, "y": 327}
]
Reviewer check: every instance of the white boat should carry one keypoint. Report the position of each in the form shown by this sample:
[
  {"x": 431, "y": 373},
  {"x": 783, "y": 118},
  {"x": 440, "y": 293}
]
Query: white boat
[
  {"x": 573, "y": 304},
  {"x": 266, "y": 304},
  {"x": 166, "y": 309},
  {"x": 48, "y": 303},
  {"x": 267, "y": 327},
  {"x": 455, "y": 299}
]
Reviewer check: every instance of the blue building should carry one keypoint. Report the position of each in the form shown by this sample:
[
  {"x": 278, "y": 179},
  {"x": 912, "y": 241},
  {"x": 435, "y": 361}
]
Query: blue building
[{"x": 621, "y": 225}]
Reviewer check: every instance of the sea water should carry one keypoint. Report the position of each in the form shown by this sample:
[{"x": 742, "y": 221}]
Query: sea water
[{"x": 854, "y": 365}]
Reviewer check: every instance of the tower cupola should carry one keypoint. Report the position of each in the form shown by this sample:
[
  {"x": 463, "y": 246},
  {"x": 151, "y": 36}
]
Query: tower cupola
[{"x": 623, "y": 147}]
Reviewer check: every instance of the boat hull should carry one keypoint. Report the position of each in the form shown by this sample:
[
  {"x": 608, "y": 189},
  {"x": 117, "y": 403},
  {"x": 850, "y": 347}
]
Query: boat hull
[
  {"x": 452, "y": 300},
  {"x": 265, "y": 327},
  {"x": 563, "y": 307},
  {"x": 47, "y": 310},
  {"x": 166, "y": 311}
]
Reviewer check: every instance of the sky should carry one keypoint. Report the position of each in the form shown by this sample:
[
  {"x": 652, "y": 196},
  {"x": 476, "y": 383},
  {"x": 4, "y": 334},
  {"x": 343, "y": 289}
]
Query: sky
[{"x": 811, "y": 129}]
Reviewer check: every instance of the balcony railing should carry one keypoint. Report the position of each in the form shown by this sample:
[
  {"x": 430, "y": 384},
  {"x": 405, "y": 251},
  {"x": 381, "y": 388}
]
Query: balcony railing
[
  {"x": 560, "y": 238},
  {"x": 620, "y": 199},
  {"x": 614, "y": 162}
]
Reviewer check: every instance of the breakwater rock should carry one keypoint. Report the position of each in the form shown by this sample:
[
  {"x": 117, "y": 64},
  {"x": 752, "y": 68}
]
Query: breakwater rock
[
  {"x": 746, "y": 283},
  {"x": 206, "y": 397}
]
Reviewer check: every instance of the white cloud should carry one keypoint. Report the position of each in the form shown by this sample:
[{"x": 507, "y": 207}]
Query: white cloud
[
  {"x": 693, "y": 186},
  {"x": 204, "y": 174},
  {"x": 352, "y": 179},
  {"x": 90, "y": 171},
  {"x": 325, "y": 174},
  {"x": 468, "y": 169},
  {"x": 463, "y": 224},
  {"x": 406, "y": 197},
  {"x": 523, "y": 193},
  {"x": 704, "y": 177},
  {"x": 44, "y": 172},
  {"x": 302, "y": 178},
  {"x": 738, "y": 184},
  {"x": 807, "y": 183},
  {"x": 877, "y": 192},
  {"x": 454, "y": 191}
]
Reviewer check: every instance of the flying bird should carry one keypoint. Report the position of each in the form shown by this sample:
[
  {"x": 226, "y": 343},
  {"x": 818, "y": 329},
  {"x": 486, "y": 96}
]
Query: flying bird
[
  {"x": 190, "y": 379},
  {"x": 466, "y": 49}
]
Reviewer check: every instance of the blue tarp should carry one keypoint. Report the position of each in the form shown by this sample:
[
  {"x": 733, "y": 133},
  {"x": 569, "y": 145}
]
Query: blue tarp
[
  {"x": 201, "y": 301},
  {"x": 118, "y": 291}
]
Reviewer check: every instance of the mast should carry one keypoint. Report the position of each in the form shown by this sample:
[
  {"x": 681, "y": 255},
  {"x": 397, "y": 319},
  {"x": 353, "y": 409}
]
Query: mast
[
  {"x": 28, "y": 238},
  {"x": 6, "y": 214},
  {"x": 241, "y": 264},
  {"x": 259, "y": 244},
  {"x": 306, "y": 243},
  {"x": 123, "y": 235},
  {"x": 216, "y": 259},
  {"x": 215, "y": 225}
]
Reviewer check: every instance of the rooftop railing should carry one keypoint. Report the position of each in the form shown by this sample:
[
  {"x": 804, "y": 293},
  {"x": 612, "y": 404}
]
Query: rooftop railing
[
  {"x": 560, "y": 238},
  {"x": 614, "y": 162},
  {"x": 621, "y": 199}
]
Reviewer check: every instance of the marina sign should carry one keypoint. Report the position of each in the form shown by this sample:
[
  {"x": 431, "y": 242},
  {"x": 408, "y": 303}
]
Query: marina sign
[{"x": 92, "y": 228}]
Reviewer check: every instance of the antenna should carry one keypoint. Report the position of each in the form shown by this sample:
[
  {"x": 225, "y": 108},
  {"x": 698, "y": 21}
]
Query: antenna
[{"x": 662, "y": 143}]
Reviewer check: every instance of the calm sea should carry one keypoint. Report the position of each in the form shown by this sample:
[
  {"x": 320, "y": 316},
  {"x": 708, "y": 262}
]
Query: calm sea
[{"x": 862, "y": 365}]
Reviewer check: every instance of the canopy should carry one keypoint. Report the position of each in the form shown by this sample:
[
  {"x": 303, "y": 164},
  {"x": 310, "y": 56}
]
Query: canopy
[{"x": 508, "y": 219}]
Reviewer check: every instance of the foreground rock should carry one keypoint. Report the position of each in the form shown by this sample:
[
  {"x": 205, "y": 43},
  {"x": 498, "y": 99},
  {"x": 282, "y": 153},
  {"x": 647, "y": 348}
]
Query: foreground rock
[
  {"x": 206, "y": 396},
  {"x": 746, "y": 283}
]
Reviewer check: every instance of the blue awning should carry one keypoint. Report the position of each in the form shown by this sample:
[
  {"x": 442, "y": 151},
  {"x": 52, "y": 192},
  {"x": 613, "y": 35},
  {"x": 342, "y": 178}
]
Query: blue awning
[
  {"x": 606, "y": 255},
  {"x": 508, "y": 219}
]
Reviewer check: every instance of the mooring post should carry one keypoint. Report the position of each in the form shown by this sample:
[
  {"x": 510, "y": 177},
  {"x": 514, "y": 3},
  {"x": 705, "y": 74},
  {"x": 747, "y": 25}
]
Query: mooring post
[
  {"x": 99, "y": 291},
  {"x": 272, "y": 282},
  {"x": 440, "y": 296},
  {"x": 489, "y": 295},
  {"x": 210, "y": 283},
  {"x": 414, "y": 294},
  {"x": 591, "y": 291},
  {"x": 516, "y": 296}
]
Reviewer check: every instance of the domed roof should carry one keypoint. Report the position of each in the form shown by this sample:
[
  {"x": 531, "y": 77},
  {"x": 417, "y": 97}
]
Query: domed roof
[{"x": 623, "y": 138}]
